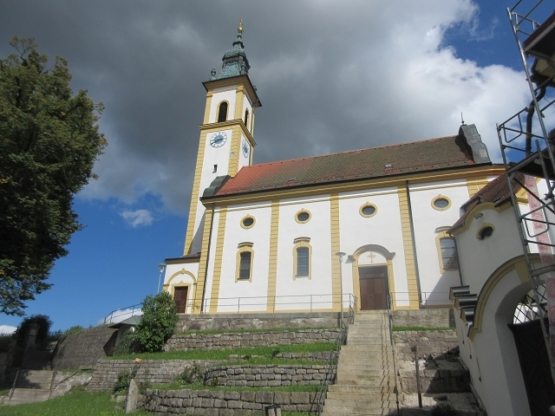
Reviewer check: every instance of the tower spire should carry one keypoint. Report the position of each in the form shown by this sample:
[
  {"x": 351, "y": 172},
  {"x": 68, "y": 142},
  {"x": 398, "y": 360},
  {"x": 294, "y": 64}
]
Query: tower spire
[{"x": 235, "y": 60}]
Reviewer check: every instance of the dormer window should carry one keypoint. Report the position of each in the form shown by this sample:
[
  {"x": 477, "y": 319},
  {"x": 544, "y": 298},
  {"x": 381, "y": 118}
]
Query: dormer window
[{"x": 222, "y": 112}]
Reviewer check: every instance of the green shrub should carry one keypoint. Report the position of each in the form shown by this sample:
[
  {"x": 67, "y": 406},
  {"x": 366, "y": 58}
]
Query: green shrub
[
  {"x": 443, "y": 409},
  {"x": 73, "y": 330},
  {"x": 158, "y": 322},
  {"x": 190, "y": 375},
  {"x": 124, "y": 378},
  {"x": 44, "y": 323},
  {"x": 126, "y": 343}
]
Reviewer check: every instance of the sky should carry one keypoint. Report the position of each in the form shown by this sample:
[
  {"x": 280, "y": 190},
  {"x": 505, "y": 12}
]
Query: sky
[{"x": 331, "y": 75}]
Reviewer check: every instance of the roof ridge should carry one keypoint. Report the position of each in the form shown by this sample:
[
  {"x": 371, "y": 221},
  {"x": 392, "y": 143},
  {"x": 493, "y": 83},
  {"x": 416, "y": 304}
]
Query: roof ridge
[{"x": 350, "y": 151}]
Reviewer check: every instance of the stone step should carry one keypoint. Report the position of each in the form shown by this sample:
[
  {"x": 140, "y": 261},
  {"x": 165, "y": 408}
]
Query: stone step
[
  {"x": 347, "y": 372},
  {"x": 343, "y": 365},
  {"x": 359, "y": 389},
  {"x": 29, "y": 396},
  {"x": 361, "y": 394},
  {"x": 370, "y": 381},
  {"x": 366, "y": 348},
  {"x": 373, "y": 412},
  {"x": 34, "y": 379},
  {"x": 340, "y": 405}
]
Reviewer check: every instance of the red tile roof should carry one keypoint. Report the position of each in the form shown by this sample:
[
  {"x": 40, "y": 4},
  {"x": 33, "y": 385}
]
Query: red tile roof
[
  {"x": 421, "y": 156},
  {"x": 497, "y": 191}
]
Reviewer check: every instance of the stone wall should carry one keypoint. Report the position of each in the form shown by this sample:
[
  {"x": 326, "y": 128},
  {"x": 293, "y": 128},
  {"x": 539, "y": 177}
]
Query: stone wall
[
  {"x": 225, "y": 403},
  {"x": 428, "y": 342},
  {"x": 84, "y": 348},
  {"x": 64, "y": 381},
  {"x": 446, "y": 377},
  {"x": 184, "y": 342},
  {"x": 106, "y": 372},
  {"x": 257, "y": 321},
  {"x": 265, "y": 375},
  {"x": 431, "y": 318}
]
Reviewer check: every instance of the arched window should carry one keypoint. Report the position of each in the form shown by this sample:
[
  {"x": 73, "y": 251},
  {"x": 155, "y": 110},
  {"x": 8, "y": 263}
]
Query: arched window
[
  {"x": 245, "y": 256},
  {"x": 302, "y": 253},
  {"x": 247, "y": 118},
  {"x": 222, "y": 112},
  {"x": 447, "y": 250}
]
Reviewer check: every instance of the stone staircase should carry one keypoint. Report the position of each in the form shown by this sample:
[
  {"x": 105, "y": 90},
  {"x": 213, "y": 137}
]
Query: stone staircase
[
  {"x": 32, "y": 386},
  {"x": 365, "y": 372}
]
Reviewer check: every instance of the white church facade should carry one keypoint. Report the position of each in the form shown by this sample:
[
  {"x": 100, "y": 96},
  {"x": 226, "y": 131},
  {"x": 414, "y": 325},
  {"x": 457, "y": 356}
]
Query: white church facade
[{"x": 315, "y": 233}]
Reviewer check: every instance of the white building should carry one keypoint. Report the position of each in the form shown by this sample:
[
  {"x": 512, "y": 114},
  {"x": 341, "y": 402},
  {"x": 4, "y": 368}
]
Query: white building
[{"x": 264, "y": 238}]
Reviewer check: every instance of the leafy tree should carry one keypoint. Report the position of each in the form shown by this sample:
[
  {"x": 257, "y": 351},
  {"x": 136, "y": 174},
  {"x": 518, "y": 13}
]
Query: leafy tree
[
  {"x": 158, "y": 323},
  {"x": 49, "y": 141}
]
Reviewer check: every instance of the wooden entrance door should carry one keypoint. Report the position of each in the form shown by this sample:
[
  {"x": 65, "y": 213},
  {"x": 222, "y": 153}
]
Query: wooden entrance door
[
  {"x": 180, "y": 298},
  {"x": 373, "y": 288}
]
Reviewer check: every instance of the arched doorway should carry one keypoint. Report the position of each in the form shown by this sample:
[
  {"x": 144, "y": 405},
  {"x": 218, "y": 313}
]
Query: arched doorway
[{"x": 373, "y": 276}]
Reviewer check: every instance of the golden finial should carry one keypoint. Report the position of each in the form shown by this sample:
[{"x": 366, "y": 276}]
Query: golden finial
[{"x": 240, "y": 30}]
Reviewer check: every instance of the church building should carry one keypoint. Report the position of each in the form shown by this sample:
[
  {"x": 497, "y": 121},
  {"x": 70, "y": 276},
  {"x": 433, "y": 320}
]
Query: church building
[{"x": 365, "y": 227}]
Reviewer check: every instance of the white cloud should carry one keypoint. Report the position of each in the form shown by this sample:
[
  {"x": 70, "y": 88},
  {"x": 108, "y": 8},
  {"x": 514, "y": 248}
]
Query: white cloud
[
  {"x": 7, "y": 329},
  {"x": 137, "y": 218}
]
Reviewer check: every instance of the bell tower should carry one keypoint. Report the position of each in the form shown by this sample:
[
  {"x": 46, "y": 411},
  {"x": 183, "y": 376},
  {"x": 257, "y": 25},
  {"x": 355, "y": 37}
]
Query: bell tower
[{"x": 226, "y": 135}]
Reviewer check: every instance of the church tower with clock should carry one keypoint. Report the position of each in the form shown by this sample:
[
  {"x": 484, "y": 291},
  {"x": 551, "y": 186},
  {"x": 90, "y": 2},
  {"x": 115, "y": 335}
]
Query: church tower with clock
[{"x": 226, "y": 135}]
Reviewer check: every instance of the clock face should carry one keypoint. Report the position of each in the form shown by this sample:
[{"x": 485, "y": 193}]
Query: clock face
[
  {"x": 218, "y": 139},
  {"x": 245, "y": 149}
]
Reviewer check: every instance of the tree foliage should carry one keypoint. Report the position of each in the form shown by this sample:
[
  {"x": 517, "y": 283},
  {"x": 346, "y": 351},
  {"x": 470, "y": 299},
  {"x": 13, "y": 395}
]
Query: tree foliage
[
  {"x": 158, "y": 323},
  {"x": 49, "y": 140}
]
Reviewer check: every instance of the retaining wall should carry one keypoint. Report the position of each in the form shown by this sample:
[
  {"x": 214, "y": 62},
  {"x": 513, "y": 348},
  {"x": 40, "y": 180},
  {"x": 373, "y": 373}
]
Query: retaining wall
[
  {"x": 435, "y": 343},
  {"x": 184, "y": 342},
  {"x": 257, "y": 321},
  {"x": 265, "y": 375},
  {"x": 225, "y": 403},
  {"x": 432, "y": 318},
  {"x": 106, "y": 372}
]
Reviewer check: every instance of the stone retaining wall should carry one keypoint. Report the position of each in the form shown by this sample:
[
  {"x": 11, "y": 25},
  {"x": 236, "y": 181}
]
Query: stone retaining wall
[
  {"x": 438, "y": 380},
  {"x": 257, "y": 321},
  {"x": 428, "y": 342},
  {"x": 265, "y": 375},
  {"x": 106, "y": 372},
  {"x": 184, "y": 342},
  {"x": 432, "y": 318},
  {"x": 225, "y": 403}
]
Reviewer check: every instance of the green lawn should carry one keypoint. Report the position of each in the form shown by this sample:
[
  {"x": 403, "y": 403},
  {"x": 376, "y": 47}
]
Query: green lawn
[
  {"x": 254, "y": 330},
  {"x": 81, "y": 403},
  {"x": 76, "y": 403},
  {"x": 267, "y": 352}
]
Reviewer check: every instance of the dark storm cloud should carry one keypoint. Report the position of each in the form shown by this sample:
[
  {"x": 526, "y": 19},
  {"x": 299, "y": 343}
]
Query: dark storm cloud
[{"x": 332, "y": 76}]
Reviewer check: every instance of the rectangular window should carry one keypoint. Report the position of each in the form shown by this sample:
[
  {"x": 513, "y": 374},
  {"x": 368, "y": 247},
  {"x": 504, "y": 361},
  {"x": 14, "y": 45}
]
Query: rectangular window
[
  {"x": 449, "y": 253},
  {"x": 302, "y": 261},
  {"x": 245, "y": 266}
]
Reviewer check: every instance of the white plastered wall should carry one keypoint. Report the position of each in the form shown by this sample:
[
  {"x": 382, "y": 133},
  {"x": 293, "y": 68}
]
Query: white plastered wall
[
  {"x": 223, "y": 94},
  {"x": 435, "y": 283},
  {"x": 383, "y": 229},
  {"x": 182, "y": 274}
]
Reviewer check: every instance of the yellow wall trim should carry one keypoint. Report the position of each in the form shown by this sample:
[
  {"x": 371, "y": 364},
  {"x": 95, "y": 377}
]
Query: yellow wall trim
[
  {"x": 477, "y": 209},
  {"x": 197, "y": 299},
  {"x": 412, "y": 282},
  {"x": 335, "y": 247},
  {"x": 218, "y": 261},
  {"x": 475, "y": 184},
  {"x": 272, "y": 266}
]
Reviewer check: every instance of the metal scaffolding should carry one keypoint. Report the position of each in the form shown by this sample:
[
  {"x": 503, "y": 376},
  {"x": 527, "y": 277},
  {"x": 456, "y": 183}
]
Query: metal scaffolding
[{"x": 528, "y": 148}]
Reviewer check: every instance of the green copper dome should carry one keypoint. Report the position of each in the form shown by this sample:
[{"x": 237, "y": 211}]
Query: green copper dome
[{"x": 235, "y": 60}]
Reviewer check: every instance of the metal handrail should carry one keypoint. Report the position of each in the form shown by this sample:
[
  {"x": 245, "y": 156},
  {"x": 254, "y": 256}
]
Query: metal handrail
[
  {"x": 331, "y": 372},
  {"x": 134, "y": 310},
  {"x": 390, "y": 316}
]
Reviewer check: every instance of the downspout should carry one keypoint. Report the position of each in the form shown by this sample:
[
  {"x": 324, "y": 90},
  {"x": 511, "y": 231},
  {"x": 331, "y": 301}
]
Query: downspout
[
  {"x": 207, "y": 258},
  {"x": 413, "y": 236}
]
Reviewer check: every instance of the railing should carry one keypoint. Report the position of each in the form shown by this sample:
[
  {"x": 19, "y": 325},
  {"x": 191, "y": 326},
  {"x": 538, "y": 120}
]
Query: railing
[
  {"x": 431, "y": 299},
  {"x": 123, "y": 313},
  {"x": 390, "y": 316},
  {"x": 334, "y": 356},
  {"x": 275, "y": 304}
]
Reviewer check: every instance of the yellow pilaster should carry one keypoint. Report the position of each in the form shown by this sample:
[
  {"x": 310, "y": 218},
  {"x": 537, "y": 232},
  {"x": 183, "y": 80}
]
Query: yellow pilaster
[
  {"x": 197, "y": 298},
  {"x": 207, "y": 106},
  {"x": 412, "y": 283},
  {"x": 239, "y": 102},
  {"x": 272, "y": 267},
  {"x": 335, "y": 247},
  {"x": 218, "y": 261},
  {"x": 235, "y": 152}
]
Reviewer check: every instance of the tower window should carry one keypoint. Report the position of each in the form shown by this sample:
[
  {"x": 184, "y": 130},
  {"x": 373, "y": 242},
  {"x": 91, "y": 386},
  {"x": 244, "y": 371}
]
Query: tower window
[
  {"x": 222, "y": 112},
  {"x": 247, "y": 118}
]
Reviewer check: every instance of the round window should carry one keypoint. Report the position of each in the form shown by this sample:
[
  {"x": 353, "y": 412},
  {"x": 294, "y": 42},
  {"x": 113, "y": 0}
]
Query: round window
[
  {"x": 441, "y": 203},
  {"x": 485, "y": 232},
  {"x": 247, "y": 222},
  {"x": 303, "y": 216},
  {"x": 368, "y": 210}
]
